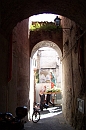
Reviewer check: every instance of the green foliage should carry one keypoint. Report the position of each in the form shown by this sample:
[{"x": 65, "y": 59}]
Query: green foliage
[
  {"x": 48, "y": 27},
  {"x": 43, "y": 26},
  {"x": 35, "y": 26}
]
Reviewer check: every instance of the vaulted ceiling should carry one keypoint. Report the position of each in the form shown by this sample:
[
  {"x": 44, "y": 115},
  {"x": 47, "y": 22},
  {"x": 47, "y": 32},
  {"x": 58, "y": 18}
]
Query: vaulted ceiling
[{"x": 14, "y": 11}]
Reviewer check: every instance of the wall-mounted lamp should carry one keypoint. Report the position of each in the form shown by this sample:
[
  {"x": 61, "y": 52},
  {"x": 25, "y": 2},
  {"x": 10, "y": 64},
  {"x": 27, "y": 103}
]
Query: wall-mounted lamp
[{"x": 57, "y": 21}]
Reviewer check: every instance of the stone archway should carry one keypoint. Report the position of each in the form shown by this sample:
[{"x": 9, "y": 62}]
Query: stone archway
[
  {"x": 35, "y": 48},
  {"x": 46, "y": 44}
]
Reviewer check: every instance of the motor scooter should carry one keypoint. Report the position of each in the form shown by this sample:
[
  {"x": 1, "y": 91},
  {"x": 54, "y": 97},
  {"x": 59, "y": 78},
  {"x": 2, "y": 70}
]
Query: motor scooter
[{"x": 9, "y": 122}]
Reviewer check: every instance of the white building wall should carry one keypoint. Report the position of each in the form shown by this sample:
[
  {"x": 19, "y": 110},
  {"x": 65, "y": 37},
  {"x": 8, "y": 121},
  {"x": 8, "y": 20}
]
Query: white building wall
[{"x": 48, "y": 58}]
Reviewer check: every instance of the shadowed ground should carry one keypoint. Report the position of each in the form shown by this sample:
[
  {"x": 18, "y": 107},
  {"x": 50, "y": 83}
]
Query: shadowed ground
[{"x": 51, "y": 119}]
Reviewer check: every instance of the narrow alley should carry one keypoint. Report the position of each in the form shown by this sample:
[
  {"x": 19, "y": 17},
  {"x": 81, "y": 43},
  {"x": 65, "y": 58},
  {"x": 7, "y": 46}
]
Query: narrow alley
[
  {"x": 51, "y": 119},
  {"x": 20, "y": 77}
]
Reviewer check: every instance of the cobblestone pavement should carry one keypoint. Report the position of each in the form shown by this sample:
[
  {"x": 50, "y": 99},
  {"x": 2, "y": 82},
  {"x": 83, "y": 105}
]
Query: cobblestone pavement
[{"x": 51, "y": 119}]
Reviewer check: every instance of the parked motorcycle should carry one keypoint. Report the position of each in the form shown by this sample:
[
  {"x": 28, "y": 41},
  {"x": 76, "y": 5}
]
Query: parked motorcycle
[{"x": 9, "y": 122}]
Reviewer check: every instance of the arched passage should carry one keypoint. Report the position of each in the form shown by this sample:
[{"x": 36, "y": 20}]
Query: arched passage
[
  {"x": 36, "y": 47},
  {"x": 16, "y": 11}
]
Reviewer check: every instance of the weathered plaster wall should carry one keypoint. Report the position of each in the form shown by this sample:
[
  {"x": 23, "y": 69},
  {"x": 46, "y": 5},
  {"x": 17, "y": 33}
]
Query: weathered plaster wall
[
  {"x": 19, "y": 84},
  {"x": 72, "y": 71}
]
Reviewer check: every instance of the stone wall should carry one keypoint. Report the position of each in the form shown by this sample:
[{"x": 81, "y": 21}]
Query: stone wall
[
  {"x": 72, "y": 73},
  {"x": 19, "y": 83}
]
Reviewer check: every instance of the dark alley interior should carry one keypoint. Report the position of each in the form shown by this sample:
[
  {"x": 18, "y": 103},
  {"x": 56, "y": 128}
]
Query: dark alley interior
[{"x": 18, "y": 45}]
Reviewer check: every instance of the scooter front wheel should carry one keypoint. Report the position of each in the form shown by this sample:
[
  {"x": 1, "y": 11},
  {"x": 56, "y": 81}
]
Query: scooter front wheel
[{"x": 36, "y": 116}]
